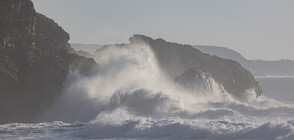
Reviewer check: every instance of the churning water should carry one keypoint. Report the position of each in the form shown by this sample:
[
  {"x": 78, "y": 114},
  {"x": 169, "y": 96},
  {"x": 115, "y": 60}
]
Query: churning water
[{"x": 128, "y": 96}]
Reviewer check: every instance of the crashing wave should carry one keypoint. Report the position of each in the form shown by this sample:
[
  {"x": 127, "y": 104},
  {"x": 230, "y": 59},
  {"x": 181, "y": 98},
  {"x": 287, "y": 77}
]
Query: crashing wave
[{"x": 129, "y": 96}]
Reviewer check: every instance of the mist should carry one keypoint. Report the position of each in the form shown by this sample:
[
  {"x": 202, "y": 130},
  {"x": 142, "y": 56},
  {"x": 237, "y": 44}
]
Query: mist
[
  {"x": 128, "y": 76},
  {"x": 149, "y": 88},
  {"x": 128, "y": 95}
]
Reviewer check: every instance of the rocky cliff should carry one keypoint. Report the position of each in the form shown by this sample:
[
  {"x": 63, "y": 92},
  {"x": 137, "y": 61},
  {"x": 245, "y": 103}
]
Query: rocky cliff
[
  {"x": 176, "y": 59},
  {"x": 34, "y": 61}
]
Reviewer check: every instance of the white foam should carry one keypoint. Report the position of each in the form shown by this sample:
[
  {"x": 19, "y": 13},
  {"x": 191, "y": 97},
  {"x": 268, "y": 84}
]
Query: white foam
[{"x": 128, "y": 96}]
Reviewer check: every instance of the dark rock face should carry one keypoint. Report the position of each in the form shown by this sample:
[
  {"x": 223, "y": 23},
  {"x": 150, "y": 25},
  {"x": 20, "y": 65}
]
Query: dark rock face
[
  {"x": 175, "y": 59},
  {"x": 35, "y": 60},
  {"x": 17, "y": 20}
]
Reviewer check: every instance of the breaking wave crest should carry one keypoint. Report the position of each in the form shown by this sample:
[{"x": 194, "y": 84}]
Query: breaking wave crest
[{"x": 128, "y": 96}]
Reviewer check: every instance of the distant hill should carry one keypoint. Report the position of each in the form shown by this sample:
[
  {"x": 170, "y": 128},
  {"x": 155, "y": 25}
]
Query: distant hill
[
  {"x": 226, "y": 53},
  {"x": 275, "y": 68},
  {"x": 90, "y": 48}
]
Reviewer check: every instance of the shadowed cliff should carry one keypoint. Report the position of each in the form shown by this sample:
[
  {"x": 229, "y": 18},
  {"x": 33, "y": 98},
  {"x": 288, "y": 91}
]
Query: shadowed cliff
[
  {"x": 175, "y": 59},
  {"x": 35, "y": 60}
]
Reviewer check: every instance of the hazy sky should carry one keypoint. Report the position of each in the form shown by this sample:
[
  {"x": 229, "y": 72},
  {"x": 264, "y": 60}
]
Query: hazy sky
[{"x": 258, "y": 29}]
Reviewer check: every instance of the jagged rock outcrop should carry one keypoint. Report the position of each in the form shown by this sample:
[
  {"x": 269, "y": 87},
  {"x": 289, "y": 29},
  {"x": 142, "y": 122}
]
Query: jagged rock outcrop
[
  {"x": 34, "y": 61},
  {"x": 175, "y": 59},
  {"x": 197, "y": 81}
]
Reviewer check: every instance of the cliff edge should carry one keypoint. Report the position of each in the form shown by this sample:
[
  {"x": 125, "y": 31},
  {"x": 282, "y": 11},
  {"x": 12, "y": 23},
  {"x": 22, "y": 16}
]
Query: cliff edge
[
  {"x": 35, "y": 60},
  {"x": 175, "y": 59}
]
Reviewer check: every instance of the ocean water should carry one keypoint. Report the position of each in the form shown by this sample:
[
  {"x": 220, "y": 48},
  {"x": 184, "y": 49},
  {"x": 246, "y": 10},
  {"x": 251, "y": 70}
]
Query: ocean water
[
  {"x": 128, "y": 97},
  {"x": 278, "y": 88}
]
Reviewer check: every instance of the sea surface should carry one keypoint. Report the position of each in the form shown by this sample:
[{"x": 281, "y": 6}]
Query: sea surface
[
  {"x": 278, "y": 88},
  {"x": 269, "y": 117},
  {"x": 128, "y": 97}
]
